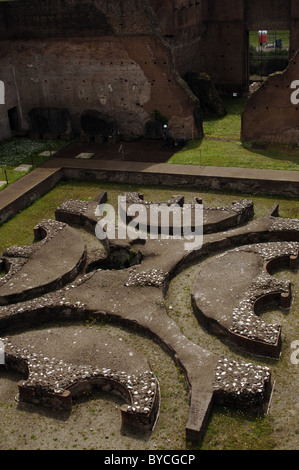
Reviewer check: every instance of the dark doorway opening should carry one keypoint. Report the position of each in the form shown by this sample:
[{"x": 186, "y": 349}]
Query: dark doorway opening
[
  {"x": 13, "y": 117},
  {"x": 268, "y": 53}
]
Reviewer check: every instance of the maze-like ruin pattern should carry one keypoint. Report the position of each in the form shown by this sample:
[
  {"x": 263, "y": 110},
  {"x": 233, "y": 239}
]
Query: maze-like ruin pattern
[{"x": 135, "y": 298}]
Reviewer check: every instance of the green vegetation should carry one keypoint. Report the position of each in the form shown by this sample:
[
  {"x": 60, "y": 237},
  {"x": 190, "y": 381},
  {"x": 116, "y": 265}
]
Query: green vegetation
[
  {"x": 272, "y": 36},
  {"x": 242, "y": 431},
  {"x": 21, "y": 150},
  {"x": 159, "y": 117},
  {"x": 221, "y": 146},
  {"x": 271, "y": 57},
  {"x": 265, "y": 62},
  {"x": 19, "y": 229}
]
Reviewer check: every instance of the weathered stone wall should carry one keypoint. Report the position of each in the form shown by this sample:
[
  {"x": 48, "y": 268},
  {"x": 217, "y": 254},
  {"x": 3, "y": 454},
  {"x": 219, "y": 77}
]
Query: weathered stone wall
[
  {"x": 182, "y": 26},
  {"x": 11, "y": 98},
  {"x": 272, "y": 112},
  {"x": 212, "y": 36},
  {"x": 294, "y": 26},
  {"x": 124, "y": 58},
  {"x": 36, "y": 19},
  {"x": 125, "y": 81},
  {"x": 268, "y": 14},
  {"x": 105, "y": 56}
]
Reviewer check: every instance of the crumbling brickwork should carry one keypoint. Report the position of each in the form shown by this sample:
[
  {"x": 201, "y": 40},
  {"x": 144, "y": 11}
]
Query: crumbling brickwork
[
  {"x": 125, "y": 58},
  {"x": 107, "y": 56},
  {"x": 271, "y": 114}
]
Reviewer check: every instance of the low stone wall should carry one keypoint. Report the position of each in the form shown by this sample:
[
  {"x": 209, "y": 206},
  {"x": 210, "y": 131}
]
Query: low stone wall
[
  {"x": 26, "y": 277},
  {"x": 54, "y": 383},
  {"x": 35, "y": 190},
  {"x": 202, "y": 182},
  {"x": 283, "y": 187}
]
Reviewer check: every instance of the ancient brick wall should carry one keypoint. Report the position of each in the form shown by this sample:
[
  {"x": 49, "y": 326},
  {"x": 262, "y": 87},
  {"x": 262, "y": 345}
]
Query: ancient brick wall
[
  {"x": 11, "y": 97},
  {"x": 272, "y": 112},
  {"x": 181, "y": 25},
  {"x": 224, "y": 45},
  {"x": 294, "y": 26},
  {"x": 125, "y": 81},
  {"x": 29, "y": 19},
  {"x": 268, "y": 14},
  {"x": 106, "y": 56},
  {"x": 124, "y": 58}
]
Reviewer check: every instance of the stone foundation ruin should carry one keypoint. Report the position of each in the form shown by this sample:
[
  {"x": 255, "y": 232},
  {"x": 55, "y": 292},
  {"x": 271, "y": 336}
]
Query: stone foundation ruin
[{"x": 233, "y": 239}]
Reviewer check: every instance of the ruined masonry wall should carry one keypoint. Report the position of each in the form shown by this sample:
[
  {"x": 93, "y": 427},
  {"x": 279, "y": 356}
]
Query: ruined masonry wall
[
  {"x": 119, "y": 65},
  {"x": 125, "y": 81},
  {"x": 270, "y": 115}
]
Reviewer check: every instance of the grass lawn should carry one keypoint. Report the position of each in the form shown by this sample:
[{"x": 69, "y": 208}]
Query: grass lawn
[
  {"x": 221, "y": 146},
  {"x": 271, "y": 36},
  {"x": 19, "y": 229},
  {"x": 21, "y": 150}
]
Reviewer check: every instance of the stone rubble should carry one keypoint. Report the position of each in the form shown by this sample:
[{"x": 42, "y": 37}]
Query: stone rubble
[
  {"x": 52, "y": 300},
  {"x": 272, "y": 250},
  {"x": 279, "y": 224},
  {"x": 245, "y": 322},
  {"x": 53, "y": 376},
  {"x": 137, "y": 198},
  {"x": 236, "y": 207},
  {"x": 73, "y": 206},
  {"x": 152, "y": 277},
  {"x": 242, "y": 382}
]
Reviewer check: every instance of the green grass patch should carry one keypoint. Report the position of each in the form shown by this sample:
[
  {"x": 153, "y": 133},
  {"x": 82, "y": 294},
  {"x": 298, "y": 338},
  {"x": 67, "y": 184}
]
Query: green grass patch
[
  {"x": 21, "y": 150},
  {"x": 19, "y": 229},
  {"x": 222, "y": 146},
  {"x": 239, "y": 431},
  {"x": 272, "y": 36}
]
